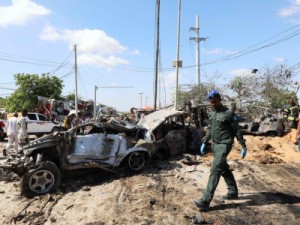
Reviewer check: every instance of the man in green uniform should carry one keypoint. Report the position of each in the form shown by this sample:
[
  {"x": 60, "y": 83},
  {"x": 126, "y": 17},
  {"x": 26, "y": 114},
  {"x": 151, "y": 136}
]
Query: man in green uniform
[
  {"x": 292, "y": 114},
  {"x": 222, "y": 129}
]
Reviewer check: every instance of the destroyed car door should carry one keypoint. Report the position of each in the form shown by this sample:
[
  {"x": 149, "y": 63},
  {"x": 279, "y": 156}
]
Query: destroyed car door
[
  {"x": 98, "y": 147},
  {"x": 176, "y": 136}
]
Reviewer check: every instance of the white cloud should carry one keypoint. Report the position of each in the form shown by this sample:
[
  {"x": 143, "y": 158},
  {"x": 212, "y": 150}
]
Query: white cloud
[
  {"x": 218, "y": 51},
  {"x": 91, "y": 41},
  {"x": 20, "y": 12},
  {"x": 99, "y": 60},
  {"x": 294, "y": 8},
  {"x": 93, "y": 46},
  {"x": 50, "y": 33},
  {"x": 135, "y": 52},
  {"x": 280, "y": 59},
  {"x": 215, "y": 51},
  {"x": 241, "y": 72}
]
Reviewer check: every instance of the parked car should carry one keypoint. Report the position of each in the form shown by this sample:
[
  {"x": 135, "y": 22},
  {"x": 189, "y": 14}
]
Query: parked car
[
  {"x": 171, "y": 132},
  {"x": 39, "y": 124},
  {"x": 46, "y": 159}
]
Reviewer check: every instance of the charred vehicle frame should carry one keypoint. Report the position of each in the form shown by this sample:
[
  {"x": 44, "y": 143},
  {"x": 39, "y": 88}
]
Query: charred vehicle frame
[
  {"x": 170, "y": 132},
  {"x": 46, "y": 159}
]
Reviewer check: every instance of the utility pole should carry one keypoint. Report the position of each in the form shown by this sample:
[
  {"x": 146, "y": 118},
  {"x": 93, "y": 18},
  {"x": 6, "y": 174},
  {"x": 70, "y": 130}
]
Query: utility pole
[
  {"x": 177, "y": 62},
  {"x": 197, "y": 39},
  {"x": 141, "y": 93},
  {"x": 95, "y": 104},
  {"x": 156, "y": 53},
  {"x": 76, "y": 92}
]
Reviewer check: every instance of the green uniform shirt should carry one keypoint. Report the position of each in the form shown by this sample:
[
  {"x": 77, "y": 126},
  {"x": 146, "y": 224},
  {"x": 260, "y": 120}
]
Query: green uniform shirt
[{"x": 223, "y": 127}]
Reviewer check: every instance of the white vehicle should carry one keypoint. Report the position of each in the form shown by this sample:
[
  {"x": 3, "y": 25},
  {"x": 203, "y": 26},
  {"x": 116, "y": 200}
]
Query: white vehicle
[{"x": 39, "y": 124}]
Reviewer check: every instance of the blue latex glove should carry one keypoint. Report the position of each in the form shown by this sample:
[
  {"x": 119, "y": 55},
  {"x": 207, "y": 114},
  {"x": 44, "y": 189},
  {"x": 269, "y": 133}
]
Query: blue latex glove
[
  {"x": 244, "y": 152},
  {"x": 202, "y": 149}
]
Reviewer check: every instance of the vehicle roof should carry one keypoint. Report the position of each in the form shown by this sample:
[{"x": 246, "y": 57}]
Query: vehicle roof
[{"x": 153, "y": 120}]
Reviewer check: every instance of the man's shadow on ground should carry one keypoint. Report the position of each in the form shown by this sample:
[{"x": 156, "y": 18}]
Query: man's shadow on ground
[{"x": 261, "y": 198}]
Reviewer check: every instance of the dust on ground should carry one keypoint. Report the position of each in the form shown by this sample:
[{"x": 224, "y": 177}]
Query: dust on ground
[{"x": 268, "y": 180}]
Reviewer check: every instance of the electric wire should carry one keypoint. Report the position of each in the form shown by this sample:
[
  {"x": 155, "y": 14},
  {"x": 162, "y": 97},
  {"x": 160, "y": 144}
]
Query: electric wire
[
  {"x": 26, "y": 60},
  {"x": 64, "y": 63},
  {"x": 136, "y": 69},
  {"x": 246, "y": 51},
  {"x": 67, "y": 74},
  {"x": 249, "y": 50}
]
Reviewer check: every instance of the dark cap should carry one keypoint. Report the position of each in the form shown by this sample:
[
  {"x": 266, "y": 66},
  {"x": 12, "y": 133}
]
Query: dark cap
[{"x": 213, "y": 94}]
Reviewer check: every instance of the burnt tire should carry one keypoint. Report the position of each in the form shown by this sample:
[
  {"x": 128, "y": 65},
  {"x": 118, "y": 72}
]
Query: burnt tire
[
  {"x": 272, "y": 133},
  {"x": 136, "y": 161},
  {"x": 55, "y": 129},
  {"x": 162, "y": 154},
  {"x": 280, "y": 131},
  {"x": 42, "y": 180}
]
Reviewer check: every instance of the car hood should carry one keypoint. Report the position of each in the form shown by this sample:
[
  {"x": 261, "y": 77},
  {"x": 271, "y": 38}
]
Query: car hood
[{"x": 153, "y": 120}]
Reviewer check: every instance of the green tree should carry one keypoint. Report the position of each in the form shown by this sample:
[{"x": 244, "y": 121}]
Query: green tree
[
  {"x": 195, "y": 93},
  {"x": 29, "y": 87},
  {"x": 270, "y": 87},
  {"x": 3, "y": 102},
  {"x": 70, "y": 97}
]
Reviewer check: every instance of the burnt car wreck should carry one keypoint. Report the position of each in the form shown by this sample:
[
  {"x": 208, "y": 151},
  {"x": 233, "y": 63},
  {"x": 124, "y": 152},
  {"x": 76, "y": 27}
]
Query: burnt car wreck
[
  {"x": 172, "y": 131},
  {"x": 45, "y": 160},
  {"x": 267, "y": 124},
  {"x": 106, "y": 146}
]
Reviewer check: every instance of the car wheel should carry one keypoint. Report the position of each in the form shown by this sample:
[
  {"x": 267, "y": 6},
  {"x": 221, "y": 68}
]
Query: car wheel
[
  {"x": 272, "y": 133},
  {"x": 55, "y": 129},
  {"x": 280, "y": 131},
  {"x": 162, "y": 154},
  {"x": 39, "y": 135},
  {"x": 41, "y": 180},
  {"x": 136, "y": 161}
]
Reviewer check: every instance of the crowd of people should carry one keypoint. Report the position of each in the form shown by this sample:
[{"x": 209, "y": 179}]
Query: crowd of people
[{"x": 16, "y": 130}]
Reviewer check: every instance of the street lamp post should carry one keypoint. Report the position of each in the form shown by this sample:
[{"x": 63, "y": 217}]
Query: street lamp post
[{"x": 141, "y": 93}]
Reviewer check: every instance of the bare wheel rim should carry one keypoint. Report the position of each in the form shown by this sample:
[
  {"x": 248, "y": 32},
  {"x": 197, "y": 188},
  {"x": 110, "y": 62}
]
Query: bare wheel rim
[
  {"x": 136, "y": 161},
  {"x": 41, "y": 181}
]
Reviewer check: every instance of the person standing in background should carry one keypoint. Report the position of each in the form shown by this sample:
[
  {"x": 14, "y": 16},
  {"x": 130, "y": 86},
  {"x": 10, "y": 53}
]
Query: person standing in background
[
  {"x": 292, "y": 113},
  {"x": 22, "y": 129},
  {"x": 12, "y": 134}
]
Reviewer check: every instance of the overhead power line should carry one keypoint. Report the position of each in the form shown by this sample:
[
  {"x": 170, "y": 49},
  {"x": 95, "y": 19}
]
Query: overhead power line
[
  {"x": 27, "y": 60},
  {"x": 64, "y": 63},
  {"x": 249, "y": 50}
]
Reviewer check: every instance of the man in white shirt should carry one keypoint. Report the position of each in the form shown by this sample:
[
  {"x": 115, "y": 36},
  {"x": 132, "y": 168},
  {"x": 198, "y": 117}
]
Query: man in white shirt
[
  {"x": 22, "y": 129},
  {"x": 12, "y": 134}
]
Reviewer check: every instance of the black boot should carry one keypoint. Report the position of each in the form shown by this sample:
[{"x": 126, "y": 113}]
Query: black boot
[{"x": 201, "y": 205}]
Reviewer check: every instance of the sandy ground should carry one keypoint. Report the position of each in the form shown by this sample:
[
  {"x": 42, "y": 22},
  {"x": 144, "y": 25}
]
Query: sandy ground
[{"x": 268, "y": 180}]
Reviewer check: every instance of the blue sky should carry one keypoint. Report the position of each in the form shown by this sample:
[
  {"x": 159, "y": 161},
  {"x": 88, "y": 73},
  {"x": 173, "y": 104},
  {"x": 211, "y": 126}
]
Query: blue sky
[{"x": 116, "y": 43}]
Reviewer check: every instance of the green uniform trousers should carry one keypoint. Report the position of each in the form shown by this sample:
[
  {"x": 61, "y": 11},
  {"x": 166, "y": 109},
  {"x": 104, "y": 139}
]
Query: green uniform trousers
[{"x": 219, "y": 168}]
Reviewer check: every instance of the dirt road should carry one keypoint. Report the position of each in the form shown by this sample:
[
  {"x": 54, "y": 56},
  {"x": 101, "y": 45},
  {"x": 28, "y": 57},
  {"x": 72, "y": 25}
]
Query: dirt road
[{"x": 163, "y": 193}]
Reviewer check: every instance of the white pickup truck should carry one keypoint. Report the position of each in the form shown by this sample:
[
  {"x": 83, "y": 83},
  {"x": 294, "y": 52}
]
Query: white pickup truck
[{"x": 38, "y": 124}]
